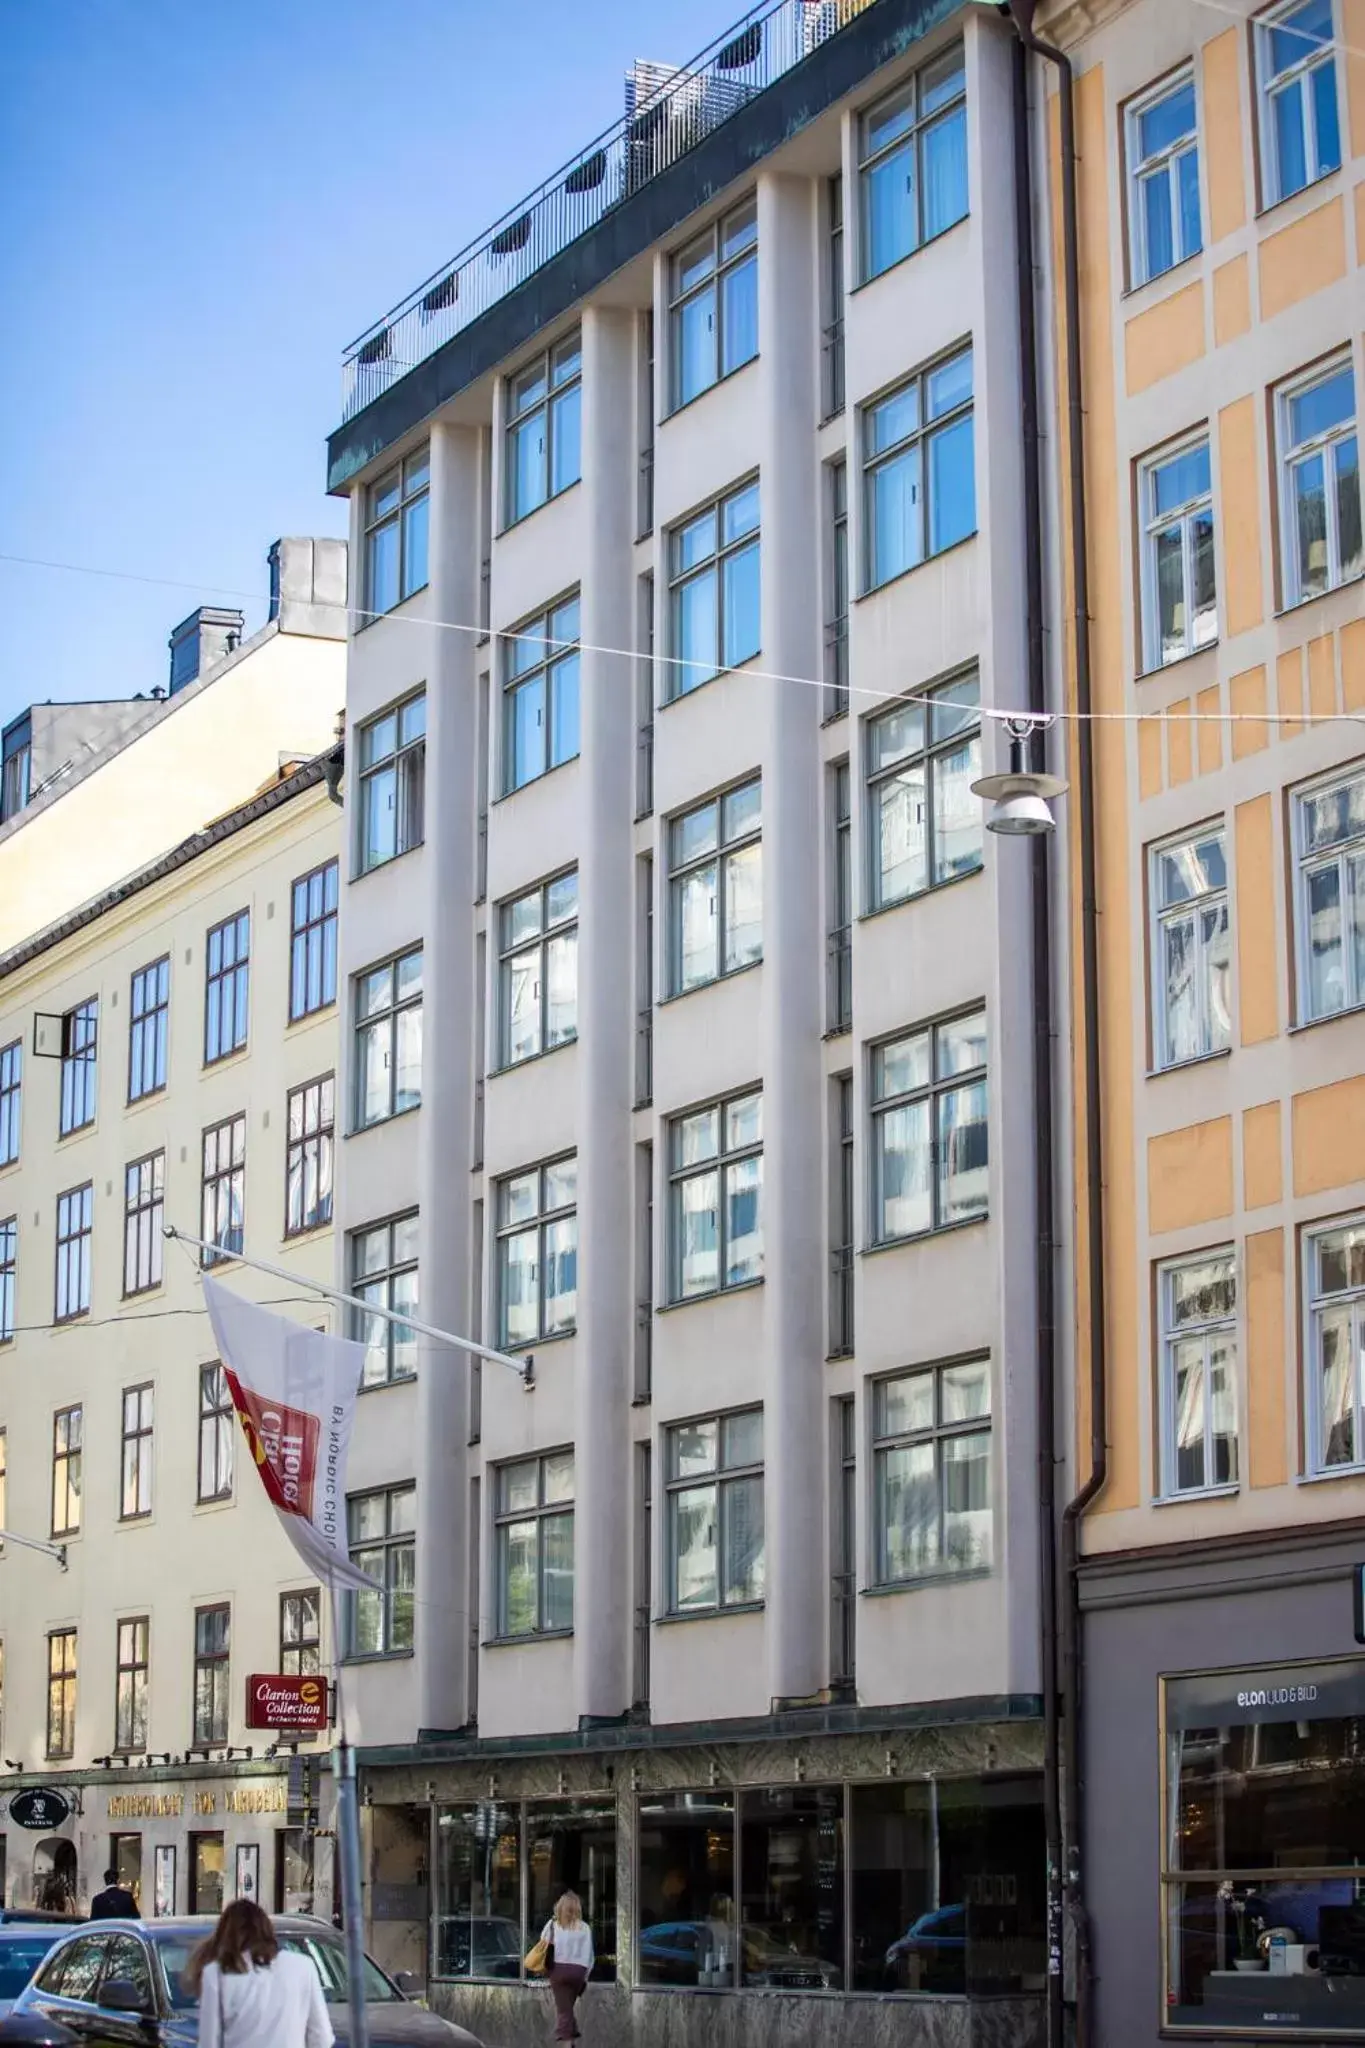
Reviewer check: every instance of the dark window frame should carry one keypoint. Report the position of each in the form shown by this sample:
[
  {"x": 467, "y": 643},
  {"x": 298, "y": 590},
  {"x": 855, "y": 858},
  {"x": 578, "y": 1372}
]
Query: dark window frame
[
  {"x": 227, "y": 987},
  {"x": 212, "y": 1661},
  {"x": 74, "y": 1253},
  {"x": 217, "y": 1415},
  {"x": 219, "y": 1184},
  {"x": 132, "y": 1662},
  {"x": 61, "y": 1692},
  {"x": 149, "y": 1010},
  {"x": 313, "y": 940},
  {"x": 137, "y": 1467},
  {"x": 79, "y": 1067},
  {"x": 312, "y": 1143},
  {"x": 144, "y": 1209}
]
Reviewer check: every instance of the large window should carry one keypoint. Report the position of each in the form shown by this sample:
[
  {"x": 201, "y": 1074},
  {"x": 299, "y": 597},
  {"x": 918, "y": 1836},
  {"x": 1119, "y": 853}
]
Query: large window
[
  {"x": 1297, "y": 77},
  {"x": 924, "y": 824},
  {"x": 715, "y": 888},
  {"x": 543, "y": 436},
  {"x": 932, "y": 1465},
  {"x": 1162, "y": 138},
  {"x": 227, "y": 986},
  {"x": 301, "y": 1633},
  {"x": 715, "y": 1513},
  {"x": 1191, "y": 949},
  {"x": 1329, "y": 846},
  {"x": 382, "y": 1528},
  {"x": 686, "y": 1898},
  {"x": 223, "y": 1204},
  {"x": 149, "y": 1005},
  {"x": 75, "y": 1219},
  {"x": 11, "y": 1093},
  {"x": 929, "y": 1135},
  {"x": 61, "y": 1692},
  {"x": 9, "y": 1259},
  {"x": 1265, "y": 1813},
  {"x": 217, "y": 1421},
  {"x": 534, "y": 1522},
  {"x": 66, "y": 1471},
  {"x": 715, "y": 1197},
  {"x": 212, "y": 1640},
  {"x": 912, "y": 157},
  {"x": 313, "y": 941},
  {"x": 144, "y": 1199},
  {"x": 919, "y": 480},
  {"x": 538, "y": 970},
  {"x": 131, "y": 1684},
  {"x": 80, "y": 1047},
  {"x": 388, "y": 1039},
  {"x": 713, "y": 303},
  {"x": 714, "y": 591},
  {"x": 540, "y": 695},
  {"x": 396, "y": 523},
  {"x": 136, "y": 1447},
  {"x": 488, "y": 1914},
  {"x": 393, "y": 775},
  {"x": 1179, "y": 591},
  {"x": 1320, "y": 481},
  {"x": 1335, "y": 1396},
  {"x": 1198, "y": 1308},
  {"x": 310, "y": 1120},
  {"x": 384, "y": 1271},
  {"x": 537, "y": 1271}
]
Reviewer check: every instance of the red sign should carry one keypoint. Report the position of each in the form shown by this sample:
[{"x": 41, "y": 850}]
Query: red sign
[
  {"x": 297, "y": 1704},
  {"x": 284, "y": 1443}
]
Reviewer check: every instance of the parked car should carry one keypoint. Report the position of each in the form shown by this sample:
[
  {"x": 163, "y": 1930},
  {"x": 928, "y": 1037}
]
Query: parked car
[
  {"x": 938, "y": 1942},
  {"x": 23, "y": 1945},
  {"x": 674, "y": 1950},
  {"x": 491, "y": 1943},
  {"x": 123, "y": 1981}
]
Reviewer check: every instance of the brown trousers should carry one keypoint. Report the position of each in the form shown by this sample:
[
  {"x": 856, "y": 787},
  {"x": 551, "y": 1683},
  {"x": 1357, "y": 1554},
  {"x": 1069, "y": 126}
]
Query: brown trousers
[{"x": 568, "y": 1981}]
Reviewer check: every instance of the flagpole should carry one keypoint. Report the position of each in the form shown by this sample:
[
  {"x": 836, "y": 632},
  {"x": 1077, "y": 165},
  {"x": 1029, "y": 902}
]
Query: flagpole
[{"x": 524, "y": 1368}]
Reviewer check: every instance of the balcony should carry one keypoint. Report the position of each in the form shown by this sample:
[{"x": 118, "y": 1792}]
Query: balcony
[{"x": 662, "y": 122}]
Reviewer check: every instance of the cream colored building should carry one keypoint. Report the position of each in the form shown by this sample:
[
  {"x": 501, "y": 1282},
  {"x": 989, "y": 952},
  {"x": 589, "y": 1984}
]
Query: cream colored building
[{"x": 168, "y": 1053}]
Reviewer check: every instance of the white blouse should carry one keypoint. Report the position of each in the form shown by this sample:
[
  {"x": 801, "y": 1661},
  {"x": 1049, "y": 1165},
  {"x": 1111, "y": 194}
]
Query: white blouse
[
  {"x": 572, "y": 1944},
  {"x": 279, "y": 2006}
]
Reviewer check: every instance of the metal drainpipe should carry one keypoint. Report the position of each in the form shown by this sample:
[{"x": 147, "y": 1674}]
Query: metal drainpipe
[
  {"x": 1022, "y": 13},
  {"x": 1041, "y": 966}
]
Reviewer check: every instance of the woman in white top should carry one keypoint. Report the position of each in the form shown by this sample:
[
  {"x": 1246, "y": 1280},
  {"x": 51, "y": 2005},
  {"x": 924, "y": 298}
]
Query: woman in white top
[
  {"x": 572, "y": 1967},
  {"x": 252, "y": 1993}
]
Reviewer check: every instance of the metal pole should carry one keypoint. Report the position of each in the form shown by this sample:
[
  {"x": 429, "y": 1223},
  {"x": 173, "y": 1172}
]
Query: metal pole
[
  {"x": 55, "y": 1550},
  {"x": 348, "y": 1850},
  {"x": 524, "y": 1368}
]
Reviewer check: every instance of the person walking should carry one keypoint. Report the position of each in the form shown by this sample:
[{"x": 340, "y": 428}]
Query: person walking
[
  {"x": 115, "y": 1902},
  {"x": 252, "y": 1993},
  {"x": 571, "y": 1937}
]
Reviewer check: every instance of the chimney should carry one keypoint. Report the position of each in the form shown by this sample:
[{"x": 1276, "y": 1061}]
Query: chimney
[
  {"x": 201, "y": 641},
  {"x": 308, "y": 587}
]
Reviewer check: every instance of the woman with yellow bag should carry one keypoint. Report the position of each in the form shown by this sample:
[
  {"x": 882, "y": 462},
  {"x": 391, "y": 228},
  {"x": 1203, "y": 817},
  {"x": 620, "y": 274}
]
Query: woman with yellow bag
[{"x": 565, "y": 1954}]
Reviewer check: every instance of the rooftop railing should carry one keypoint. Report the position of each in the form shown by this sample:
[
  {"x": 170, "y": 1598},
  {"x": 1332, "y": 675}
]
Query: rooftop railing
[{"x": 661, "y": 127}]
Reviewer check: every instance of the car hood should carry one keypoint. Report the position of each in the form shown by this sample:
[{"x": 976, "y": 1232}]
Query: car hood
[{"x": 403, "y": 2026}]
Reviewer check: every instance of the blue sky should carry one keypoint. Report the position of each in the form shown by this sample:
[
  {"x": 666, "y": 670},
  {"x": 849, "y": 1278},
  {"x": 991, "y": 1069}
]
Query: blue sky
[{"x": 201, "y": 202}]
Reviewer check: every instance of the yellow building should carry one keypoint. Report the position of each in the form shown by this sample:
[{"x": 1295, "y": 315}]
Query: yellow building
[
  {"x": 1221, "y": 229},
  {"x": 167, "y": 1055}
]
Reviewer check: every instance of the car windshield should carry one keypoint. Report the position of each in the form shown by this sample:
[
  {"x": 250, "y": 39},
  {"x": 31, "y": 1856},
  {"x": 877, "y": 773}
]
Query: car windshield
[
  {"x": 18, "y": 1961},
  {"x": 327, "y": 1956}
]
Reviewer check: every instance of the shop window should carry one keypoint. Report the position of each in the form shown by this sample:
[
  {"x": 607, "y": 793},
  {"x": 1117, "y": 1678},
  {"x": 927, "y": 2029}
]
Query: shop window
[
  {"x": 571, "y": 1846},
  {"x": 293, "y": 1870},
  {"x": 1265, "y": 1778},
  {"x": 206, "y": 1873},
  {"x": 686, "y": 1889},
  {"x": 792, "y": 1904},
  {"x": 478, "y": 1892}
]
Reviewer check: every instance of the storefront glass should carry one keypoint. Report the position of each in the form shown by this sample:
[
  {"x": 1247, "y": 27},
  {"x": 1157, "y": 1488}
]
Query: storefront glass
[
  {"x": 792, "y": 1913},
  {"x": 571, "y": 1847},
  {"x": 1264, "y": 1865},
  {"x": 687, "y": 1889},
  {"x": 293, "y": 1870},
  {"x": 125, "y": 1857},
  {"x": 206, "y": 1873},
  {"x": 499, "y": 1871}
]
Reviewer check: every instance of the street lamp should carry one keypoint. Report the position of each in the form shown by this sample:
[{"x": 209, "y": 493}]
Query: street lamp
[{"x": 1021, "y": 798}]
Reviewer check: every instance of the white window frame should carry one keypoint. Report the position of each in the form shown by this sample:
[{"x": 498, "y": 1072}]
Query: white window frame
[
  {"x": 949, "y": 722},
  {"x": 1289, "y": 455},
  {"x": 402, "y": 1002},
  {"x": 1159, "y": 916},
  {"x": 389, "y": 1549},
  {"x": 937, "y": 1433},
  {"x": 406, "y": 763},
  {"x": 1152, "y": 524},
  {"x": 400, "y": 500},
  {"x": 1299, "y": 76},
  {"x": 720, "y": 855},
  {"x": 914, "y": 447},
  {"x": 547, "y": 1216},
  {"x": 720, "y": 1479},
  {"x": 555, "y": 630},
  {"x": 559, "y": 930},
  {"x": 910, "y": 138},
  {"x": 1207, "y": 1329},
  {"x": 560, "y": 371},
  {"x": 1306, "y": 864},
  {"x": 684, "y": 673},
  {"x": 392, "y": 1345},
  {"x": 549, "y": 1506},
  {"x": 741, "y": 220},
  {"x": 1353, "y": 1299},
  {"x": 718, "y": 1164},
  {"x": 1165, "y": 162},
  {"x": 937, "y": 1089}
]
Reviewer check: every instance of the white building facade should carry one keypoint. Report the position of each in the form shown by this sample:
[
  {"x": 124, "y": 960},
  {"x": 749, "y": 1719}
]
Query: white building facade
[{"x": 682, "y": 1057}]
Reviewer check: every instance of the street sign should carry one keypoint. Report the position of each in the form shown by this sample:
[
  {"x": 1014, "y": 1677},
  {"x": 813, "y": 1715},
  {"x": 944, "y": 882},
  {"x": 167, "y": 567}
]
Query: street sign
[
  {"x": 1358, "y": 1589},
  {"x": 296, "y": 1705},
  {"x": 39, "y": 1809}
]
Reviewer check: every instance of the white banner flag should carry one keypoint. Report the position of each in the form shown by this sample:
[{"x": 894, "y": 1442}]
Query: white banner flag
[{"x": 294, "y": 1390}]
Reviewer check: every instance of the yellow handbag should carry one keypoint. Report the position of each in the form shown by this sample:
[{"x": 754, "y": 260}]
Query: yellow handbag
[{"x": 538, "y": 1959}]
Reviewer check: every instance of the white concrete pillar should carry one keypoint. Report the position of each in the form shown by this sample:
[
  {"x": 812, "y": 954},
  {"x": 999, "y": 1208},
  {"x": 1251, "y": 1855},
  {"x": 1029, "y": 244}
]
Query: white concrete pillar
[
  {"x": 446, "y": 1122},
  {"x": 602, "y": 1600},
  {"x": 793, "y": 1100}
]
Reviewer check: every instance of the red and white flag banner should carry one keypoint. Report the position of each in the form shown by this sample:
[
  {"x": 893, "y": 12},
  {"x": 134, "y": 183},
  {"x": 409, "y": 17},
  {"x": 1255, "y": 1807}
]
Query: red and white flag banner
[{"x": 294, "y": 1390}]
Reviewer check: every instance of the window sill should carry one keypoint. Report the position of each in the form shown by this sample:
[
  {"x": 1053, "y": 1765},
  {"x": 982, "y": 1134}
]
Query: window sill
[
  {"x": 862, "y": 283},
  {"x": 913, "y": 568},
  {"x": 1198, "y": 1059},
  {"x": 305, "y": 1232},
  {"x": 76, "y": 1131},
  {"x": 895, "y": 1244},
  {"x": 369, "y": 618},
  {"x": 511, "y": 525},
  {"x": 945, "y": 1578},
  {"x": 379, "y": 867},
  {"x": 1323, "y": 1478},
  {"x": 532, "y": 782},
  {"x": 1175, "y": 1500},
  {"x": 738, "y": 668},
  {"x": 919, "y": 895},
  {"x": 322, "y": 1010},
  {"x": 215, "y": 1504},
  {"x": 536, "y": 1343},
  {"x": 1165, "y": 668},
  {"x": 535, "y": 1635},
  {"x": 225, "y": 1059},
  {"x": 1145, "y": 285},
  {"x": 532, "y": 1059},
  {"x": 668, "y": 1308},
  {"x": 726, "y": 377},
  {"x": 141, "y": 1294},
  {"x": 716, "y": 981},
  {"x": 68, "y": 1322},
  {"x": 357, "y": 1657},
  {"x": 707, "y": 1614},
  {"x": 1316, "y": 1023},
  {"x": 134, "y": 1521},
  {"x": 400, "y": 1379},
  {"x": 1270, "y": 206},
  {"x": 1298, "y": 604},
  {"x": 379, "y": 1122},
  {"x": 135, "y": 1102}
]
